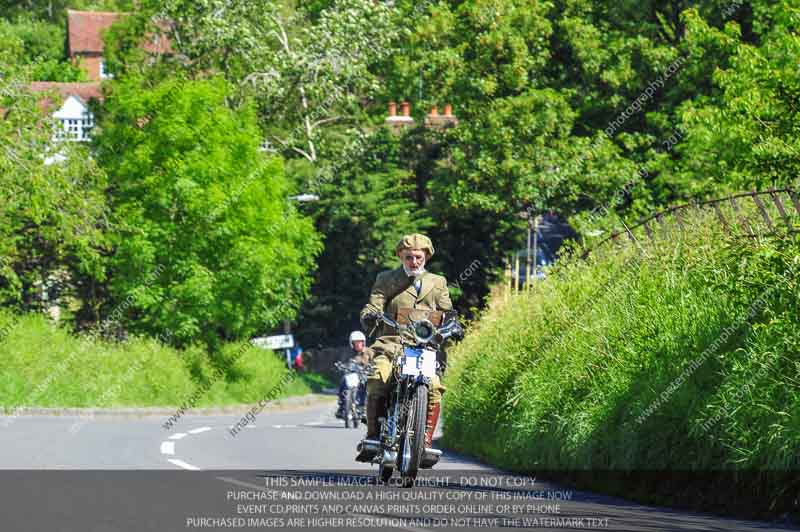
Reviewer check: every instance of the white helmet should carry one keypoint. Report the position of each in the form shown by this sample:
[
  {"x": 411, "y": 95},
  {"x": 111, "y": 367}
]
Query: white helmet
[{"x": 357, "y": 336}]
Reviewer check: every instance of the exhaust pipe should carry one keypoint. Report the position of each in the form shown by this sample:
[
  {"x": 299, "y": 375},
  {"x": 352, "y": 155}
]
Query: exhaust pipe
[
  {"x": 430, "y": 458},
  {"x": 367, "y": 450}
]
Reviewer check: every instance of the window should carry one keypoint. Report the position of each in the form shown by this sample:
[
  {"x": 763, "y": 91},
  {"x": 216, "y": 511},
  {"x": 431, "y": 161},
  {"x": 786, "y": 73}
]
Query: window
[
  {"x": 104, "y": 74},
  {"x": 75, "y": 120},
  {"x": 76, "y": 129}
]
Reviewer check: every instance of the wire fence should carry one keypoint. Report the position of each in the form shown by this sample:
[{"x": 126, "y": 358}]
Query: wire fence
[{"x": 773, "y": 212}]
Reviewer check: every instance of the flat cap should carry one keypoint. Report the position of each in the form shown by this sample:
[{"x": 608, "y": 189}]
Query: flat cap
[{"x": 415, "y": 241}]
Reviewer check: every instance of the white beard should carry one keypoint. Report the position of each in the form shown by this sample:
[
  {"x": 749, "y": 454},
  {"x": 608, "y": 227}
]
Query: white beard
[{"x": 414, "y": 273}]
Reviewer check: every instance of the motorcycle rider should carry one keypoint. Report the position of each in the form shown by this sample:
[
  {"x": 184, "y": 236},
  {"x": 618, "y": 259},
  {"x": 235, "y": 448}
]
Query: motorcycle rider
[
  {"x": 408, "y": 292},
  {"x": 361, "y": 355}
]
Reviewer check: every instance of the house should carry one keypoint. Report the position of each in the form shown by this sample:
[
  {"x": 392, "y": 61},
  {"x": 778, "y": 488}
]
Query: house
[
  {"x": 85, "y": 47},
  {"x": 74, "y": 114},
  {"x": 85, "y": 40}
]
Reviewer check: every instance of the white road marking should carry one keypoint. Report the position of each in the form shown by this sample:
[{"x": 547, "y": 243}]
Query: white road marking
[
  {"x": 245, "y": 484},
  {"x": 314, "y": 423},
  {"x": 181, "y": 463},
  {"x": 250, "y": 427},
  {"x": 178, "y": 436},
  {"x": 284, "y": 426},
  {"x": 198, "y": 431},
  {"x": 167, "y": 447}
]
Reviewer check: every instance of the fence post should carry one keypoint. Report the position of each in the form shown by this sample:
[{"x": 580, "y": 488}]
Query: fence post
[
  {"x": 776, "y": 199},
  {"x": 509, "y": 280},
  {"x": 796, "y": 203},
  {"x": 761, "y": 208}
]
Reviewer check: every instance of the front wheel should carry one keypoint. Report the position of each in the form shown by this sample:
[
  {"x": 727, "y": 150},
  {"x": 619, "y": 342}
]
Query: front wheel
[
  {"x": 348, "y": 407},
  {"x": 414, "y": 440},
  {"x": 352, "y": 409}
]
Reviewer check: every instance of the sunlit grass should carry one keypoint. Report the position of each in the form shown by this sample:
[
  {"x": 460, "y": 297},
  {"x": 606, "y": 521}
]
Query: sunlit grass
[
  {"x": 593, "y": 370},
  {"x": 46, "y": 366}
]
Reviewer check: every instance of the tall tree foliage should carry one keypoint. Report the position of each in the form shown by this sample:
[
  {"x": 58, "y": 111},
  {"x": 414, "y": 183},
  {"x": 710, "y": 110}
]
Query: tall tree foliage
[
  {"x": 52, "y": 207},
  {"x": 744, "y": 136},
  {"x": 363, "y": 211},
  {"x": 42, "y": 48},
  {"x": 207, "y": 245},
  {"x": 55, "y": 11},
  {"x": 308, "y": 74}
]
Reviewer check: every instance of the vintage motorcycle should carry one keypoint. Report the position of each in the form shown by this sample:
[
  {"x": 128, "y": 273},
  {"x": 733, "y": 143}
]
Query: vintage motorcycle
[
  {"x": 401, "y": 444},
  {"x": 354, "y": 377}
]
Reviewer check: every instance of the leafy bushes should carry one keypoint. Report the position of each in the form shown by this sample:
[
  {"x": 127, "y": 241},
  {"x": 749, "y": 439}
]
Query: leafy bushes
[
  {"x": 684, "y": 355},
  {"x": 206, "y": 245},
  {"x": 46, "y": 366}
]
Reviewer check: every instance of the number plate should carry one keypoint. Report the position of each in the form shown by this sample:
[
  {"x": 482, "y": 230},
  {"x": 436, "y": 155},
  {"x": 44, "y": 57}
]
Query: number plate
[
  {"x": 419, "y": 361},
  {"x": 351, "y": 380}
]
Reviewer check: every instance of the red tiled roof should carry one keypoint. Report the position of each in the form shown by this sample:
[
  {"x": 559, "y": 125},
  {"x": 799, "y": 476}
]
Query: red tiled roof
[
  {"x": 85, "y": 32},
  {"x": 85, "y": 91}
]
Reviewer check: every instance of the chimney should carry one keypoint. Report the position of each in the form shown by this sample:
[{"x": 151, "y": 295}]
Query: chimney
[
  {"x": 398, "y": 123},
  {"x": 437, "y": 121}
]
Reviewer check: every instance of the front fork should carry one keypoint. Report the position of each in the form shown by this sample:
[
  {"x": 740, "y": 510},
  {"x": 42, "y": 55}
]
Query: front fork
[
  {"x": 389, "y": 437},
  {"x": 389, "y": 431}
]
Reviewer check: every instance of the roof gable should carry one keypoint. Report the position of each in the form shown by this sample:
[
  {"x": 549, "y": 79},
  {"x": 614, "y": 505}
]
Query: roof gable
[
  {"x": 86, "y": 91},
  {"x": 85, "y": 33},
  {"x": 73, "y": 107},
  {"x": 82, "y": 92},
  {"x": 85, "y": 29}
]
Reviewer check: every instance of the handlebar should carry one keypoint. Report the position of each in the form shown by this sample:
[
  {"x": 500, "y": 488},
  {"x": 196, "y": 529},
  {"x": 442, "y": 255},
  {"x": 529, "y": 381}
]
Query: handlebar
[
  {"x": 347, "y": 367},
  {"x": 423, "y": 330}
]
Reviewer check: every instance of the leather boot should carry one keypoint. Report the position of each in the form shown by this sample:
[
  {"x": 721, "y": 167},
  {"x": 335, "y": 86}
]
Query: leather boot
[
  {"x": 431, "y": 456},
  {"x": 375, "y": 406},
  {"x": 433, "y": 417}
]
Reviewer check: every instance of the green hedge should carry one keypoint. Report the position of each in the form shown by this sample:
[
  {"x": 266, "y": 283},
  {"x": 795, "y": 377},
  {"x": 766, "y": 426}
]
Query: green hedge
[
  {"x": 46, "y": 366},
  {"x": 681, "y": 355}
]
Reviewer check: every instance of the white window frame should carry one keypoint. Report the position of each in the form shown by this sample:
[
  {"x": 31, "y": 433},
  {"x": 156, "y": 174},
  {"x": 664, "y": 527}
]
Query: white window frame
[{"x": 74, "y": 127}]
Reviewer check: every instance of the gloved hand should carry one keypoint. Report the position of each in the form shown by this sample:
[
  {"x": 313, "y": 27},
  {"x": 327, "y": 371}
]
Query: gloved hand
[
  {"x": 371, "y": 317},
  {"x": 458, "y": 332}
]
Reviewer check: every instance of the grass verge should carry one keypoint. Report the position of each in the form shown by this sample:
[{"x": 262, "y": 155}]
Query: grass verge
[
  {"x": 46, "y": 366},
  {"x": 668, "y": 373}
]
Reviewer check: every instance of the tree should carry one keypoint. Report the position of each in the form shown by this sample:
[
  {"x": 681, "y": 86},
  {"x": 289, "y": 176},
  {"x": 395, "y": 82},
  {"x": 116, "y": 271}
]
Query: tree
[
  {"x": 52, "y": 214},
  {"x": 42, "y": 48},
  {"x": 207, "y": 246},
  {"x": 364, "y": 209},
  {"x": 745, "y": 135},
  {"x": 309, "y": 72},
  {"x": 55, "y": 11}
]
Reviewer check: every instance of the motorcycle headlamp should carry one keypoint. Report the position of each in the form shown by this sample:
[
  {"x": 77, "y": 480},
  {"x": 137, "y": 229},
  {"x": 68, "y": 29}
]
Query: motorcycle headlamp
[{"x": 424, "y": 331}]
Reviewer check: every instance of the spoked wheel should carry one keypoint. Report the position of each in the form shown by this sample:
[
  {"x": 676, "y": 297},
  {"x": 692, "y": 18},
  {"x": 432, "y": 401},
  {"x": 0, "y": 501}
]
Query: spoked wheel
[
  {"x": 348, "y": 407},
  {"x": 414, "y": 441},
  {"x": 352, "y": 409}
]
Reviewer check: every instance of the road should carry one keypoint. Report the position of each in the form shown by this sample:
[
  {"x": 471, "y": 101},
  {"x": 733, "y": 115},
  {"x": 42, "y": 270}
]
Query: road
[{"x": 121, "y": 473}]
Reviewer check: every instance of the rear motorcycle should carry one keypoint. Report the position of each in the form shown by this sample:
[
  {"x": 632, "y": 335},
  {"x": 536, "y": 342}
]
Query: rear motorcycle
[
  {"x": 401, "y": 444},
  {"x": 355, "y": 382}
]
